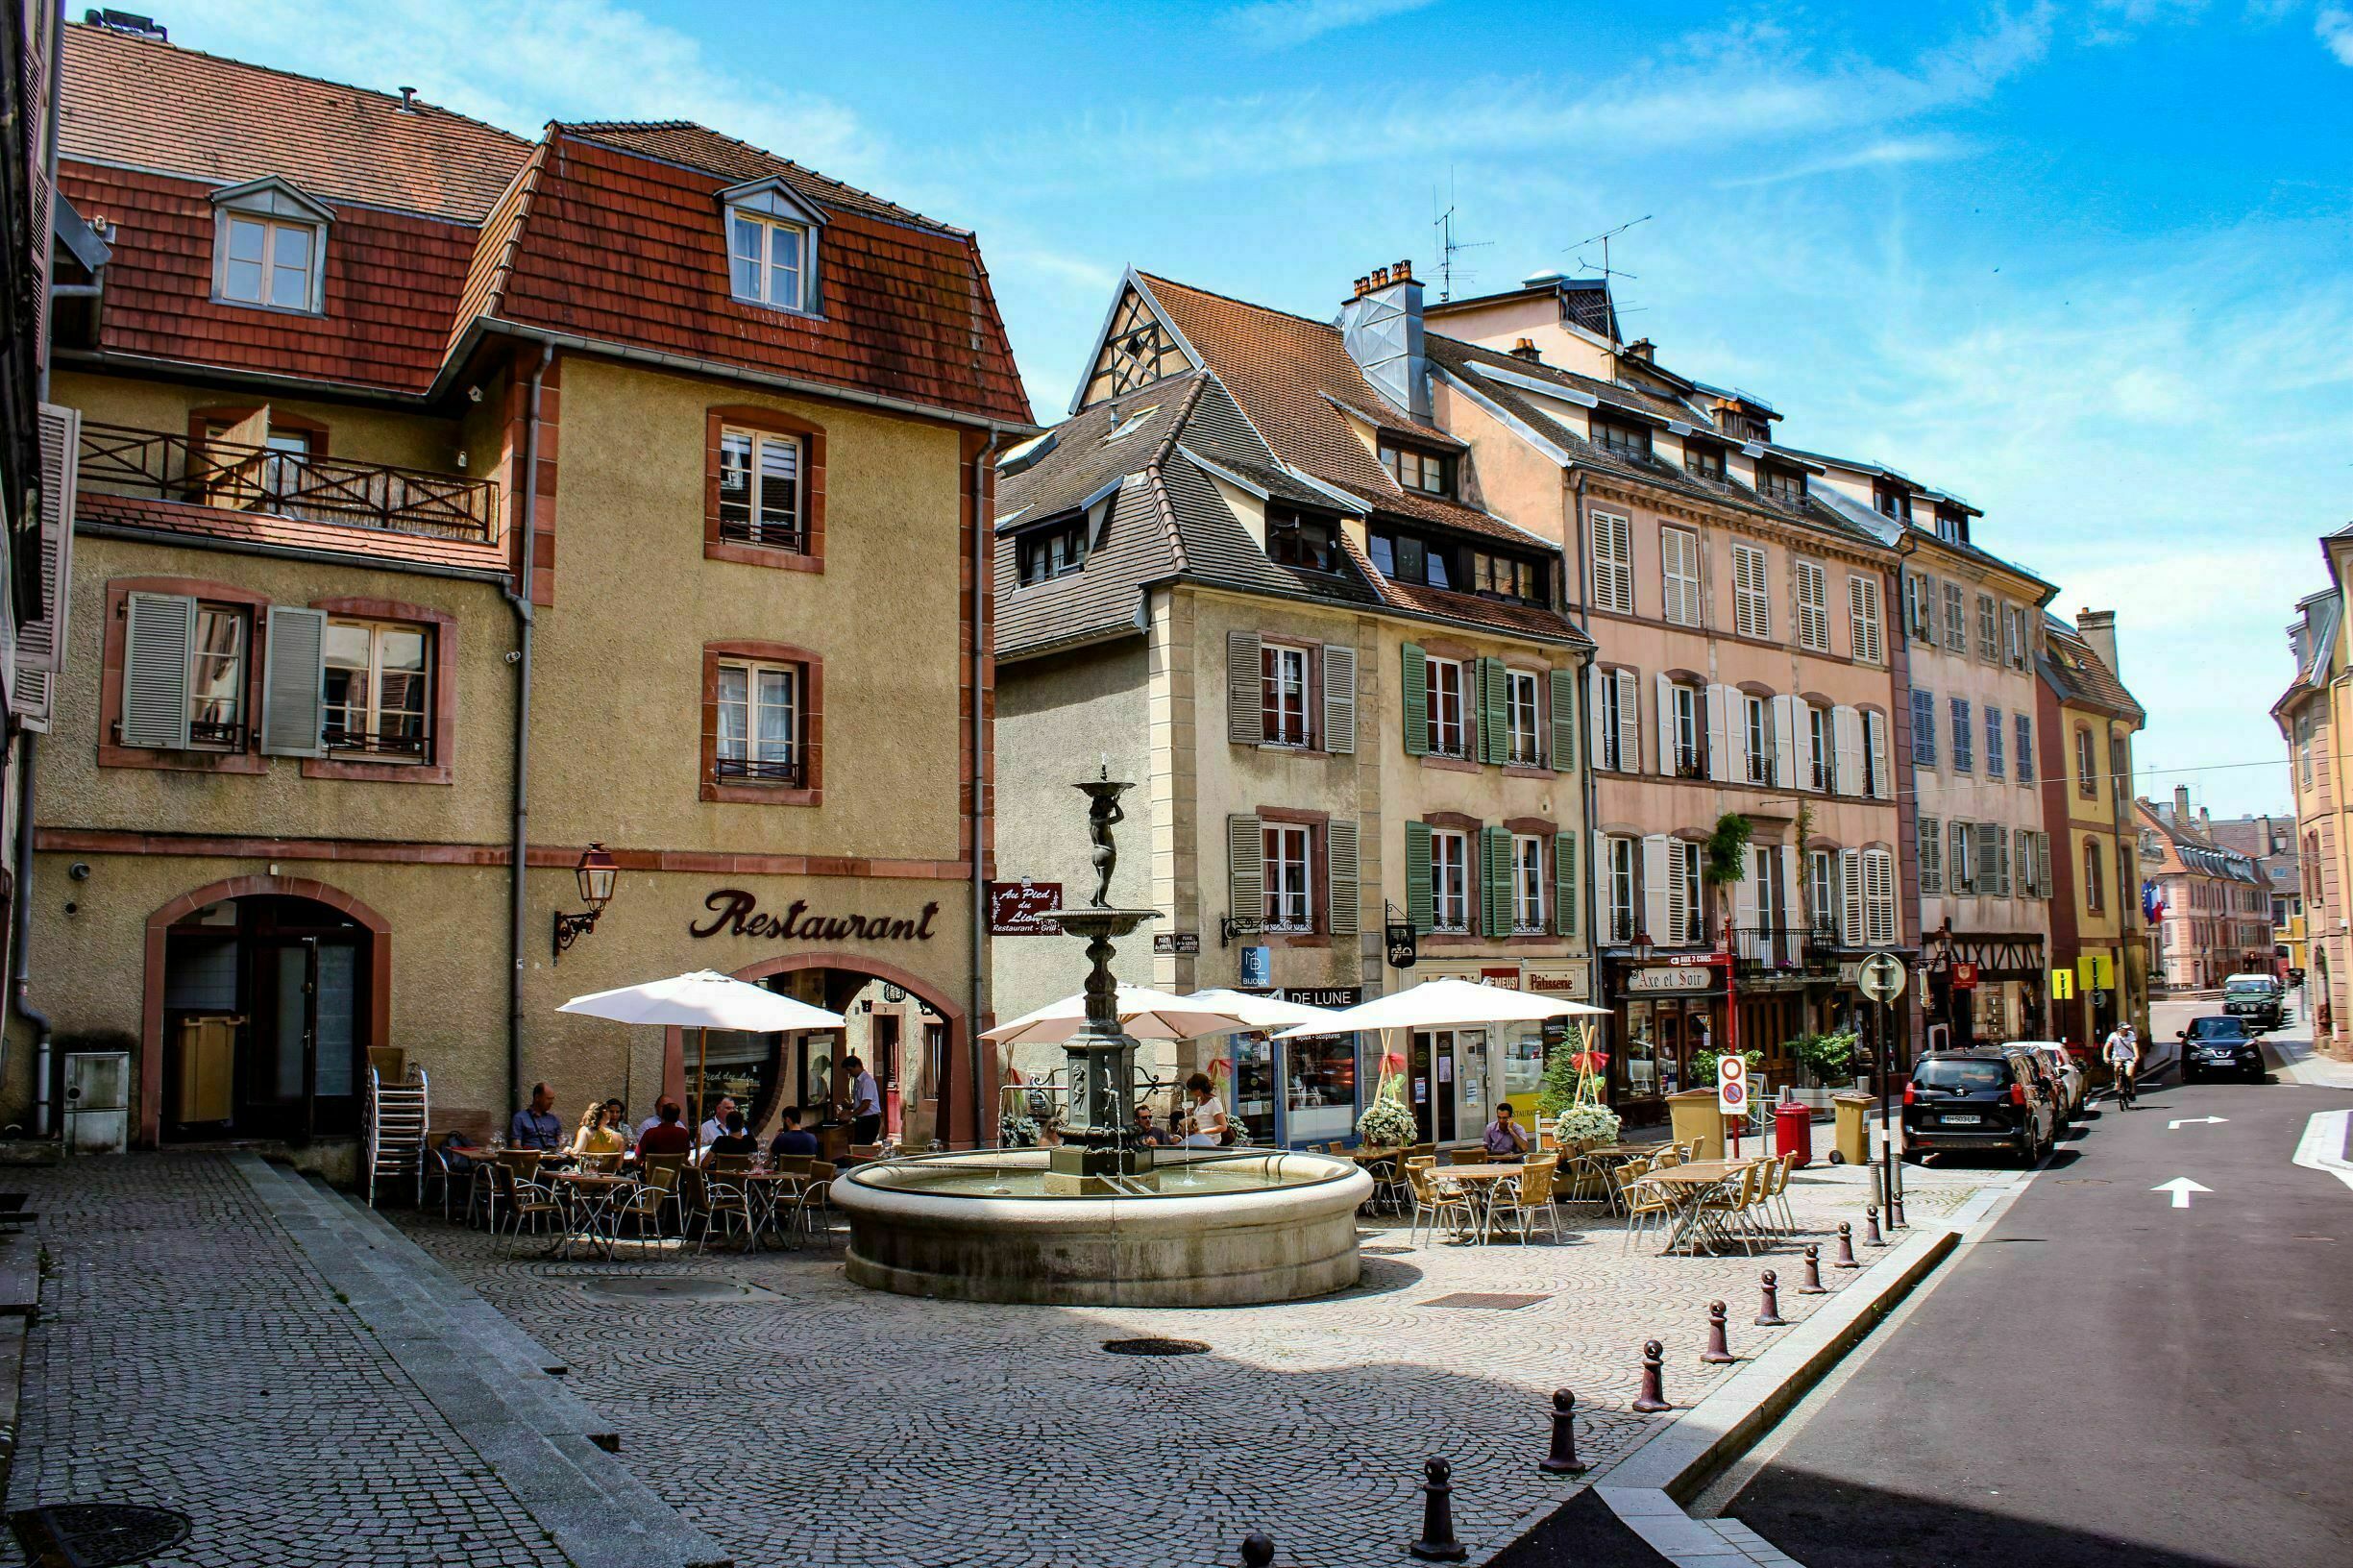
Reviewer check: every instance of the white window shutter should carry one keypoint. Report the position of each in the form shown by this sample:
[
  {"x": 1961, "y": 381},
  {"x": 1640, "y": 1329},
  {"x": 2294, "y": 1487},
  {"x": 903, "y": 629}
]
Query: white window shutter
[
  {"x": 1785, "y": 723},
  {"x": 1665, "y": 723},
  {"x": 1599, "y": 877},
  {"x": 1245, "y": 714},
  {"x": 1679, "y": 906},
  {"x": 1792, "y": 907},
  {"x": 1850, "y": 884},
  {"x": 1340, "y": 856},
  {"x": 41, "y": 642},
  {"x": 2042, "y": 864},
  {"x": 1340, "y": 699},
  {"x": 159, "y": 637},
  {"x": 1883, "y": 784},
  {"x": 1719, "y": 742},
  {"x": 1629, "y": 723},
  {"x": 1879, "y": 898},
  {"x": 1744, "y": 895},
  {"x": 1245, "y": 868},
  {"x": 1846, "y": 750},
  {"x": 1594, "y": 676},
  {"x": 1655, "y": 886},
  {"x": 293, "y": 683}
]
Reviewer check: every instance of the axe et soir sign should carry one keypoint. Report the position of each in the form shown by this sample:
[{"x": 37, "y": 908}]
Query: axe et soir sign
[{"x": 738, "y": 914}]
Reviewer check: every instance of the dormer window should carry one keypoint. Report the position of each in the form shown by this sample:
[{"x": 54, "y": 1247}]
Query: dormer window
[
  {"x": 1951, "y": 526},
  {"x": 771, "y": 246},
  {"x": 1703, "y": 459},
  {"x": 1783, "y": 484},
  {"x": 1046, "y": 553},
  {"x": 269, "y": 247},
  {"x": 1625, "y": 439},
  {"x": 1892, "y": 501},
  {"x": 1298, "y": 540},
  {"x": 1431, "y": 472}
]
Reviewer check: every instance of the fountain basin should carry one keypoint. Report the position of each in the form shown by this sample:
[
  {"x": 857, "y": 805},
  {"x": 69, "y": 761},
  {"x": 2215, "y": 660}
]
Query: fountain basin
[{"x": 1226, "y": 1228}]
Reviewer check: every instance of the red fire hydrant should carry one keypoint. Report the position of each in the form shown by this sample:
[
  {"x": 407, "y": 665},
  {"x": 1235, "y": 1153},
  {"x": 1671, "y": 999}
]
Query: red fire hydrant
[{"x": 1793, "y": 1130}]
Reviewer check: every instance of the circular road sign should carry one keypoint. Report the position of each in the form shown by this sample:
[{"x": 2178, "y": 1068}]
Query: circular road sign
[
  {"x": 1732, "y": 1084},
  {"x": 1881, "y": 977}
]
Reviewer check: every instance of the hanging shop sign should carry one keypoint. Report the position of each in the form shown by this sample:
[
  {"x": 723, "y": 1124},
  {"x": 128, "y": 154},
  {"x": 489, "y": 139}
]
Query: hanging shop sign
[
  {"x": 736, "y": 912},
  {"x": 1258, "y": 966},
  {"x": 1403, "y": 948},
  {"x": 1677, "y": 977},
  {"x": 1018, "y": 909}
]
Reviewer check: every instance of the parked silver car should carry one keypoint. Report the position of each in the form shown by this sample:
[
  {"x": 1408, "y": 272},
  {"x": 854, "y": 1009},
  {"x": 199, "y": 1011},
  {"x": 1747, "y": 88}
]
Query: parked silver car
[{"x": 2065, "y": 1069}]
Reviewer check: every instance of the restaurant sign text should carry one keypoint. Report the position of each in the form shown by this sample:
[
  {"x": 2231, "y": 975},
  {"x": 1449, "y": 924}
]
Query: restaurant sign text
[{"x": 738, "y": 914}]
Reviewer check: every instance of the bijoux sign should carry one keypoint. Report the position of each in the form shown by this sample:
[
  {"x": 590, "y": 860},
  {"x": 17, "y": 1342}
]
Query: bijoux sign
[{"x": 738, "y": 914}]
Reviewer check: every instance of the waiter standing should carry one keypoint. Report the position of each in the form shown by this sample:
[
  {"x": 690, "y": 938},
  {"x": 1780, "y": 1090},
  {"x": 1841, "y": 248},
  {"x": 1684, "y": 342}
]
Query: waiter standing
[{"x": 865, "y": 1103}]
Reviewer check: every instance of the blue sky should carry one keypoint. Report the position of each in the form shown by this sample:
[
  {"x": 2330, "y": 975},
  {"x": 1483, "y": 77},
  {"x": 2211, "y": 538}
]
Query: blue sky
[{"x": 2084, "y": 264}]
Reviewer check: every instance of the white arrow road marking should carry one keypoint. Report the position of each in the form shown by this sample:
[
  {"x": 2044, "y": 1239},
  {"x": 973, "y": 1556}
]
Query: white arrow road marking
[
  {"x": 2181, "y": 1187},
  {"x": 2190, "y": 1121},
  {"x": 2322, "y": 1147}
]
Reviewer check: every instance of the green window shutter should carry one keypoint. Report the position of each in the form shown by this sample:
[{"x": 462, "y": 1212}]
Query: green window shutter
[
  {"x": 1246, "y": 868},
  {"x": 1564, "y": 719},
  {"x": 1413, "y": 701},
  {"x": 1339, "y": 699},
  {"x": 1494, "y": 736},
  {"x": 1420, "y": 905},
  {"x": 1341, "y": 860},
  {"x": 1495, "y": 865},
  {"x": 293, "y": 685},
  {"x": 1245, "y": 719},
  {"x": 1564, "y": 875},
  {"x": 158, "y": 639}
]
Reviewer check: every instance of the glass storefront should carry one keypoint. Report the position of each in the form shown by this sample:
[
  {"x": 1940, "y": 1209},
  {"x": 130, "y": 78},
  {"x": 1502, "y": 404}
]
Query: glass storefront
[
  {"x": 1319, "y": 1089},
  {"x": 1524, "y": 1069},
  {"x": 1253, "y": 1098}
]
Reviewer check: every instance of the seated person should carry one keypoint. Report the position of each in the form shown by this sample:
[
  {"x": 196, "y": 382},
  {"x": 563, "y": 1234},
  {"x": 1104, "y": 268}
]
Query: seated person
[
  {"x": 668, "y": 1136},
  {"x": 616, "y": 1118},
  {"x": 1149, "y": 1132},
  {"x": 597, "y": 1135},
  {"x": 534, "y": 1126},
  {"x": 1503, "y": 1136},
  {"x": 734, "y": 1140},
  {"x": 790, "y": 1140}
]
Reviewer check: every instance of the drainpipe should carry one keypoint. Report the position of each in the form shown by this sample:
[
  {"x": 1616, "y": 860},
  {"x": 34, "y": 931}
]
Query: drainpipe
[
  {"x": 981, "y": 536},
  {"x": 20, "y": 977},
  {"x": 1595, "y": 873},
  {"x": 519, "y": 598}
]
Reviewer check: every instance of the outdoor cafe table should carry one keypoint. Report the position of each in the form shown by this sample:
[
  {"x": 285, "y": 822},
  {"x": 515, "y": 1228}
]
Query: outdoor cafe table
[
  {"x": 587, "y": 1196},
  {"x": 1492, "y": 1174},
  {"x": 1687, "y": 1185}
]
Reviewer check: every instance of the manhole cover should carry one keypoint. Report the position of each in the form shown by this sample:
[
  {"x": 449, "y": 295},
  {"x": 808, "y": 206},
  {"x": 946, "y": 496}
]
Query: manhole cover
[
  {"x": 1489, "y": 1300},
  {"x": 97, "y": 1534},
  {"x": 667, "y": 1289},
  {"x": 1156, "y": 1347}
]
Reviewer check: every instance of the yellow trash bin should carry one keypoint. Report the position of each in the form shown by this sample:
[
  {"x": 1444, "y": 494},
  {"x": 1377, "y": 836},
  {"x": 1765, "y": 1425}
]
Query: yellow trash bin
[
  {"x": 1692, "y": 1117},
  {"x": 1853, "y": 1133}
]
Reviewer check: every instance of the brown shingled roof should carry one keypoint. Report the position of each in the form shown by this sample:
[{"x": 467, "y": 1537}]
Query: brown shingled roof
[
  {"x": 266, "y": 531},
  {"x": 157, "y": 105},
  {"x": 694, "y": 146}
]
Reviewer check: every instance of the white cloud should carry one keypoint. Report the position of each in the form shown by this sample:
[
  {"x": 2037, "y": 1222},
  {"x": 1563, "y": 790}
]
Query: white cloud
[
  {"x": 2334, "y": 27},
  {"x": 1886, "y": 152},
  {"x": 1281, "y": 24}
]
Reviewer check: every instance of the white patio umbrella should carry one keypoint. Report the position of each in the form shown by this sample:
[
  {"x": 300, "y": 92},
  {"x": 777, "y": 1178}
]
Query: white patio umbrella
[
  {"x": 1264, "y": 1012},
  {"x": 702, "y": 1001},
  {"x": 1447, "y": 1004},
  {"x": 1143, "y": 1013}
]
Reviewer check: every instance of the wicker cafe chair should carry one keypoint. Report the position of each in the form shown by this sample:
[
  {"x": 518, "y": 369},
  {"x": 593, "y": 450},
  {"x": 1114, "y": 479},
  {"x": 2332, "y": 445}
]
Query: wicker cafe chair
[
  {"x": 642, "y": 1205},
  {"x": 812, "y": 1206},
  {"x": 1530, "y": 1198},
  {"x": 1642, "y": 1201},
  {"x": 522, "y": 1200},
  {"x": 1436, "y": 1198}
]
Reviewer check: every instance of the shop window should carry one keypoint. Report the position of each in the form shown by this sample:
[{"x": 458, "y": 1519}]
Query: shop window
[
  {"x": 379, "y": 689},
  {"x": 1320, "y": 1086},
  {"x": 1450, "y": 881}
]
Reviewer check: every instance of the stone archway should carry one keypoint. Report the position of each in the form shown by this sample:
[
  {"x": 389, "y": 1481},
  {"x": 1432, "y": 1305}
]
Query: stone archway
[{"x": 149, "y": 1068}]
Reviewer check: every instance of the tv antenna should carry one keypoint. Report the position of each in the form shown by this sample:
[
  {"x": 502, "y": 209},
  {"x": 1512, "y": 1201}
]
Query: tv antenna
[
  {"x": 1606, "y": 271},
  {"x": 1448, "y": 244}
]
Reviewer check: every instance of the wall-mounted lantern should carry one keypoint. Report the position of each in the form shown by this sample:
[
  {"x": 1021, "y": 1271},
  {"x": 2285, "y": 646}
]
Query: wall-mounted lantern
[{"x": 596, "y": 873}]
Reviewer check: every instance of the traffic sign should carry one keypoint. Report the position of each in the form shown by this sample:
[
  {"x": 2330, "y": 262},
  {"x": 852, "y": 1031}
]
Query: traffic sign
[
  {"x": 1881, "y": 977},
  {"x": 1732, "y": 1084},
  {"x": 2063, "y": 985}
]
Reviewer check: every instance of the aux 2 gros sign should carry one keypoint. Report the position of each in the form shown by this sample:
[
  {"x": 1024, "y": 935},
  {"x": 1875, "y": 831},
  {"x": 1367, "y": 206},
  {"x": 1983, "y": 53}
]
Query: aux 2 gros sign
[{"x": 736, "y": 912}]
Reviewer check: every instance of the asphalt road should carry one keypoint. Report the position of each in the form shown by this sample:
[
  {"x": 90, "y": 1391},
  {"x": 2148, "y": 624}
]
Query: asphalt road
[{"x": 2107, "y": 1380}]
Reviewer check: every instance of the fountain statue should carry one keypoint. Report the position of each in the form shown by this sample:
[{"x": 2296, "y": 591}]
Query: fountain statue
[{"x": 1103, "y": 1219}]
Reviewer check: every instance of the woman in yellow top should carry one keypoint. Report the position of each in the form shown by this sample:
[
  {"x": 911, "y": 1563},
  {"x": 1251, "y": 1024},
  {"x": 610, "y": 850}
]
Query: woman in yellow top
[{"x": 596, "y": 1135}]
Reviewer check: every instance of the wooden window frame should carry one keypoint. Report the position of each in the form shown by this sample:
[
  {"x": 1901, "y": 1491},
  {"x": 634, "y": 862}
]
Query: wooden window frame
[
  {"x": 1539, "y": 759},
  {"x": 2087, "y": 764},
  {"x": 1523, "y": 833},
  {"x": 114, "y": 656},
  {"x": 1317, "y": 824},
  {"x": 811, "y": 791},
  {"x": 768, "y": 223},
  {"x": 1466, "y": 724},
  {"x": 1310, "y": 693},
  {"x": 1694, "y": 583},
  {"x": 766, "y": 421},
  {"x": 439, "y": 764},
  {"x": 229, "y": 213},
  {"x": 1464, "y": 831}
]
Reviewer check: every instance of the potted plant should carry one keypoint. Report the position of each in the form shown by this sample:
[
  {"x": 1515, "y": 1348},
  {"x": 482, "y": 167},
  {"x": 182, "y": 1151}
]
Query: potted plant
[
  {"x": 1572, "y": 1098},
  {"x": 1388, "y": 1122}
]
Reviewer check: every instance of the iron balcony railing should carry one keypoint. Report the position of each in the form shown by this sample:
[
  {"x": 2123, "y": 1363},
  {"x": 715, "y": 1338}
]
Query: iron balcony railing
[
  {"x": 789, "y": 771},
  {"x": 1790, "y": 949},
  {"x": 208, "y": 472}
]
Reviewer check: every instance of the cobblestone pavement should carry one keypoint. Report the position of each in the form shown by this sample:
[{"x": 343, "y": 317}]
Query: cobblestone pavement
[
  {"x": 801, "y": 1419},
  {"x": 188, "y": 1356}
]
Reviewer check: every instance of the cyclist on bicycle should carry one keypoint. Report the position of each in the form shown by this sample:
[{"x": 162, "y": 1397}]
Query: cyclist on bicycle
[{"x": 2122, "y": 1054}]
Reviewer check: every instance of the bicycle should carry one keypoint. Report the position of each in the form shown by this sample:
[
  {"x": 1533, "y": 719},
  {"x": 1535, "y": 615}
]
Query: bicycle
[{"x": 2124, "y": 1080}]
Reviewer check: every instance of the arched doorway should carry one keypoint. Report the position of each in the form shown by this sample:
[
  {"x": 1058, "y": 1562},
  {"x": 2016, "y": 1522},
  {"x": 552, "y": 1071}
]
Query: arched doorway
[
  {"x": 909, "y": 1035},
  {"x": 264, "y": 996}
]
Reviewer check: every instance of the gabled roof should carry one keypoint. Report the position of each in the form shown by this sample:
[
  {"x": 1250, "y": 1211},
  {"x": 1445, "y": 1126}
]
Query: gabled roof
[{"x": 2072, "y": 668}]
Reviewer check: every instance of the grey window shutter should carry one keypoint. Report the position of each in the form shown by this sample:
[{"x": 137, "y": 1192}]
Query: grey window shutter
[
  {"x": 2042, "y": 864},
  {"x": 1339, "y": 700},
  {"x": 293, "y": 683},
  {"x": 1960, "y": 872},
  {"x": 1564, "y": 719},
  {"x": 1414, "y": 700},
  {"x": 1420, "y": 906},
  {"x": 1340, "y": 855},
  {"x": 1245, "y": 719},
  {"x": 159, "y": 637},
  {"x": 1987, "y": 837},
  {"x": 1246, "y": 868},
  {"x": 1564, "y": 883},
  {"x": 41, "y": 641}
]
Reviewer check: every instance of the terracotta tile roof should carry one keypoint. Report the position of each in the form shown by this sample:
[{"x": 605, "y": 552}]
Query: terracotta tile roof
[
  {"x": 94, "y": 508},
  {"x": 157, "y": 105},
  {"x": 393, "y": 282},
  {"x": 699, "y": 147},
  {"x": 2079, "y": 675}
]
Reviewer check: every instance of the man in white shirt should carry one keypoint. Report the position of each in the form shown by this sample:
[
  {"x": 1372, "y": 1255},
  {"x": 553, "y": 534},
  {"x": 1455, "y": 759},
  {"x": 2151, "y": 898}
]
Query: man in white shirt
[
  {"x": 865, "y": 1103},
  {"x": 2122, "y": 1054},
  {"x": 716, "y": 1126}
]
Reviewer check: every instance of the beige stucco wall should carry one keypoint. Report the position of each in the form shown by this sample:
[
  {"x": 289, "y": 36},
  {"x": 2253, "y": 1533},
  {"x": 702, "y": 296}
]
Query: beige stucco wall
[{"x": 1503, "y": 323}]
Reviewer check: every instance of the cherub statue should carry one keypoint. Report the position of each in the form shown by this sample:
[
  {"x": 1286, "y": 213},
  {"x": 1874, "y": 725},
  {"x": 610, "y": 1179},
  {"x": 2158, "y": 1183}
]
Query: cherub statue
[{"x": 1102, "y": 816}]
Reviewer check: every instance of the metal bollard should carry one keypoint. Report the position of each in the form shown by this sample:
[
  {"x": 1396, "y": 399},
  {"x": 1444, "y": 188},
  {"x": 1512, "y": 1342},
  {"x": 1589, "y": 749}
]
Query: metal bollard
[
  {"x": 1846, "y": 1247},
  {"x": 1563, "y": 1460},
  {"x": 1258, "y": 1550},
  {"x": 1653, "y": 1395},
  {"x": 1719, "y": 1349},
  {"x": 1895, "y": 1213},
  {"x": 1770, "y": 1318},
  {"x": 1437, "y": 1543},
  {"x": 1871, "y": 1227},
  {"x": 1811, "y": 1284}
]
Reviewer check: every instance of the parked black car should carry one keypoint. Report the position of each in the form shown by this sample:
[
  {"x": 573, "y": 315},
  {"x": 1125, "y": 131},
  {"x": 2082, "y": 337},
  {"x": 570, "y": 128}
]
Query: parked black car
[
  {"x": 2220, "y": 1042},
  {"x": 1979, "y": 1099}
]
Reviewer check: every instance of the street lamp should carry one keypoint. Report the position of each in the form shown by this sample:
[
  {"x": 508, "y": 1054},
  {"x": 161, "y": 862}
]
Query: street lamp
[{"x": 596, "y": 874}]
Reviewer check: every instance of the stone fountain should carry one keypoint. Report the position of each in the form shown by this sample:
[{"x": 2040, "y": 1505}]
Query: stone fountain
[{"x": 1102, "y": 1219}]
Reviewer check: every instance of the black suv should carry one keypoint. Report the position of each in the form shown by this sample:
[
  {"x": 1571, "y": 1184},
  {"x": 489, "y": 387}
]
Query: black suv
[
  {"x": 2254, "y": 998},
  {"x": 2219, "y": 1042},
  {"x": 1979, "y": 1099}
]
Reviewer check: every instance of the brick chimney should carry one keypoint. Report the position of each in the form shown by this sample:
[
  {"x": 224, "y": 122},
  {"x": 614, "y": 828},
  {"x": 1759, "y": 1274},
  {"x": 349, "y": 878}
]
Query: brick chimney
[
  {"x": 2181, "y": 805},
  {"x": 1644, "y": 349},
  {"x": 1525, "y": 349},
  {"x": 1382, "y": 326},
  {"x": 2098, "y": 629}
]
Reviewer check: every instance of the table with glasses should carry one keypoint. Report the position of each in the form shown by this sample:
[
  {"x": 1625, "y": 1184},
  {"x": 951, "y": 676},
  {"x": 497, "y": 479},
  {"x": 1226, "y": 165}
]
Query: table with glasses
[{"x": 589, "y": 1199}]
